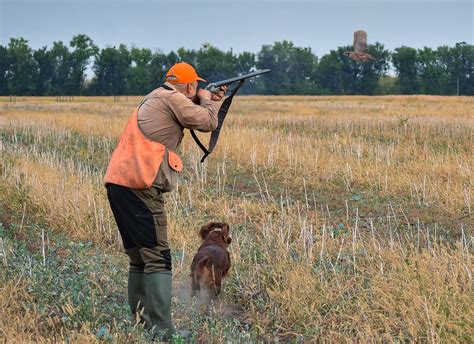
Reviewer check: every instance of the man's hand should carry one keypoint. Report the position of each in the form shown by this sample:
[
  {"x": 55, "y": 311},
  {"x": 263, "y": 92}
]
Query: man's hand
[
  {"x": 219, "y": 94},
  {"x": 203, "y": 94}
]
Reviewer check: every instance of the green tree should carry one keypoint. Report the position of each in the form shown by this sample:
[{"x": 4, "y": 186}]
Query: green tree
[
  {"x": 111, "y": 69},
  {"x": 214, "y": 64},
  {"x": 405, "y": 61},
  {"x": 302, "y": 71},
  {"x": 4, "y": 69},
  {"x": 337, "y": 74},
  {"x": 277, "y": 57},
  {"x": 84, "y": 49},
  {"x": 188, "y": 56},
  {"x": 458, "y": 62},
  {"x": 387, "y": 85},
  {"x": 44, "y": 71},
  {"x": 371, "y": 72},
  {"x": 292, "y": 68},
  {"x": 432, "y": 74},
  {"x": 160, "y": 63},
  {"x": 465, "y": 71},
  {"x": 140, "y": 72},
  {"x": 61, "y": 60},
  {"x": 20, "y": 78},
  {"x": 245, "y": 63}
]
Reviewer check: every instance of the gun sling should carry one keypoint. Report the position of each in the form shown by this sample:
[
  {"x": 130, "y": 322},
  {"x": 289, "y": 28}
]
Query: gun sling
[{"x": 220, "y": 121}]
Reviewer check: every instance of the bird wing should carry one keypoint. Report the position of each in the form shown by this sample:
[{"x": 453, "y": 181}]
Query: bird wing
[{"x": 360, "y": 41}]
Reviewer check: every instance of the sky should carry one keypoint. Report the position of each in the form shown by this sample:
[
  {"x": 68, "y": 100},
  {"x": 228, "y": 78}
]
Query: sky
[{"x": 240, "y": 25}]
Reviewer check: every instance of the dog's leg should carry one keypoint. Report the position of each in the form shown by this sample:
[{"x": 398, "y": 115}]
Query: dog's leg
[
  {"x": 217, "y": 282},
  {"x": 195, "y": 286},
  {"x": 214, "y": 281}
]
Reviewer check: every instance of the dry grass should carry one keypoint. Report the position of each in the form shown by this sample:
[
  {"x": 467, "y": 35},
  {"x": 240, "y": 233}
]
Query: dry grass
[{"x": 351, "y": 216}]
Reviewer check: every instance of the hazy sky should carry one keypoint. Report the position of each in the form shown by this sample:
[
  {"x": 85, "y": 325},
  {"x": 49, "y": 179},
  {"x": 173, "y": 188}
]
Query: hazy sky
[{"x": 242, "y": 25}]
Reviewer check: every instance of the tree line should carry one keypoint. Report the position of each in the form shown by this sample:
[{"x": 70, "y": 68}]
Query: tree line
[{"x": 61, "y": 69}]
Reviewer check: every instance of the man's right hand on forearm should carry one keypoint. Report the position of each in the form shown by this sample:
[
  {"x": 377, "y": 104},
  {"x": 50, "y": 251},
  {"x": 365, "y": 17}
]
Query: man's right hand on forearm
[{"x": 204, "y": 95}]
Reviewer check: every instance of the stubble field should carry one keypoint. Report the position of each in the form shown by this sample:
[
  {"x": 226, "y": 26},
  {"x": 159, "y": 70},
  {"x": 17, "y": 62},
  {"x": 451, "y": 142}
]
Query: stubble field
[{"x": 351, "y": 220}]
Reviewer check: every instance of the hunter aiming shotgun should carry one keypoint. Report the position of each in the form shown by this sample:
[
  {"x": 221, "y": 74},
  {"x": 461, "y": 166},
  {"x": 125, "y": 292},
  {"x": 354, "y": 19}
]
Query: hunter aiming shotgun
[{"x": 214, "y": 87}]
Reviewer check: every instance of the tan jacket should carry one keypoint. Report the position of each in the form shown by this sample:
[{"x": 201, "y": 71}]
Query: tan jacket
[{"x": 162, "y": 117}]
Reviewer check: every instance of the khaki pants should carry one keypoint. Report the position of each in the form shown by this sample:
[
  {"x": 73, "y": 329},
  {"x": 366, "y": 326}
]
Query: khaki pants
[{"x": 141, "y": 218}]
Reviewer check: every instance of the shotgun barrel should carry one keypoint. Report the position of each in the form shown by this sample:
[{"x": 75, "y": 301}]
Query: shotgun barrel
[{"x": 214, "y": 86}]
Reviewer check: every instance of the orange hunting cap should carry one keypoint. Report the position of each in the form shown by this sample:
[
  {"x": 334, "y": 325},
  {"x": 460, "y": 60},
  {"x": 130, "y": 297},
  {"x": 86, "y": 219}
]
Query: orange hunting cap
[{"x": 182, "y": 73}]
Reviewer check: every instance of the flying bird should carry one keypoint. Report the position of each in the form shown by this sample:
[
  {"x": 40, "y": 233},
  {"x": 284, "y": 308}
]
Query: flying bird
[{"x": 361, "y": 50}]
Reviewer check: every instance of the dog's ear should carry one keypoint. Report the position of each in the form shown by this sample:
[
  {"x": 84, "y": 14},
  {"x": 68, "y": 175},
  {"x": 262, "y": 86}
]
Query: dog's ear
[
  {"x": 204, "y": 231},
  {"x": 226, "y": 233}
]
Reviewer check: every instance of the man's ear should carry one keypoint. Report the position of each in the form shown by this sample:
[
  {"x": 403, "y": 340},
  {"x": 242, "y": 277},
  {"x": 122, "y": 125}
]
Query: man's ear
[{"x": 191, "y": 86}]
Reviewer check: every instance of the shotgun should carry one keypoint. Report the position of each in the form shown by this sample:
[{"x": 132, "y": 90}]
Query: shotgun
[{"x": 214, "y": 87}]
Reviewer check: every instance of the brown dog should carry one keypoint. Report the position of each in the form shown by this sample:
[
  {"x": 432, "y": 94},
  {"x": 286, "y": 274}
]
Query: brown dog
[{"x": 212, "y": 261}]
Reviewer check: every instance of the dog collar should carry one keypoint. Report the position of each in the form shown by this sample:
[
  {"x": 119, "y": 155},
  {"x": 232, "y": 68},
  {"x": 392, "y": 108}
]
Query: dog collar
[{"x": 216, "y": 230}]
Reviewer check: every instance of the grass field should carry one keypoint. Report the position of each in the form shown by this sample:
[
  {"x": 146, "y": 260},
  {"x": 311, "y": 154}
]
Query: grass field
[{"x": 351, "y": 219}]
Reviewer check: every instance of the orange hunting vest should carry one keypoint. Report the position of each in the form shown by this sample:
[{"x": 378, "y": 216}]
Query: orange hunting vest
[{"x": 137, "y": 159}]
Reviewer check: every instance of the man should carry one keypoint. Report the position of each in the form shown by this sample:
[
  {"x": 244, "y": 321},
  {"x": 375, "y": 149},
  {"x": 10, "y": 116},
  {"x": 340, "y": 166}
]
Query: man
[{"x": 143, "y": 166}]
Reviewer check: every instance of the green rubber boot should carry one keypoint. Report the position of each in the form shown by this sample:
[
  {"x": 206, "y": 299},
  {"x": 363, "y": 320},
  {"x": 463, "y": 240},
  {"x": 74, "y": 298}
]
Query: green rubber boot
[
  {"x": 158, "y": 305},
  {"x": 136, "y": 293}
]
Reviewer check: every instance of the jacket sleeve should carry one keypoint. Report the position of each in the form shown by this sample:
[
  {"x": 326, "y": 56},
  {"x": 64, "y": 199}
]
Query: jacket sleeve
[{"x": 199, "y": 117}]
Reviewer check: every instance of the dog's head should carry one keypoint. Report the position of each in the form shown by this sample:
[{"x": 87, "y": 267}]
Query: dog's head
[{"x": 216, "y": 229}]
